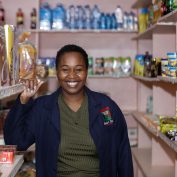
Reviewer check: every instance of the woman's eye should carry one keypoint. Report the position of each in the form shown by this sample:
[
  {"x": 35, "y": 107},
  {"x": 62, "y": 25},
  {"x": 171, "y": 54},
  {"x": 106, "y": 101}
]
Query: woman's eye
[
  {"x": 64, "y": 70},
  {"x": 78, "y": 70}
]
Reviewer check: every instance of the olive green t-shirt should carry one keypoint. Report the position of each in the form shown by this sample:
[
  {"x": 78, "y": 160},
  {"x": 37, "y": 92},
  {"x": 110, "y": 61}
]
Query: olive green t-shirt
[{"x": 77, "y": 155}]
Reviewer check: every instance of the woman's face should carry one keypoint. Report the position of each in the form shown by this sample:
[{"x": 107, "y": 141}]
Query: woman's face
[{"x": 72, "y": 73}]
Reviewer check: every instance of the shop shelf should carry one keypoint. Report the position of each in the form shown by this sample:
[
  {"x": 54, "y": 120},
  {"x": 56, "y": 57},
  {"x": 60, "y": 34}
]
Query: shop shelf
[
  {"x": 168, "y": 79},
  {"x": 10, "y": 170},
  {"x": 143, "y": 158},
  {"x": 171, "y": 144},
  {"x": 146, "y": 78},
  {"x": 152, "y": 129},
  {"x": 141, "y": 3},
  {"x": 10, "y": 90},
  {"x": 146, "y": 124},
  {"x": 171, "y": 17},
  {"x": 160, "y": 27},
  {"x": 79, "y": 31}
]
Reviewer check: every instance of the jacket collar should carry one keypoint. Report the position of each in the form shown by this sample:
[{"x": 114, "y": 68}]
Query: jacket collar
[{"x": 52, "y": 105}]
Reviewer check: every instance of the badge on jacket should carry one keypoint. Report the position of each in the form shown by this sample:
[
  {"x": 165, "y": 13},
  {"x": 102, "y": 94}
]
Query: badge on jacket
[{"x": 107, "y": 116}]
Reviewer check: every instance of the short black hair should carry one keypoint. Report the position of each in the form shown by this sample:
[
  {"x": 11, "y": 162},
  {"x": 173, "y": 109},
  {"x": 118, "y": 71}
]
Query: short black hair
[{"x": 71, "y": 48}]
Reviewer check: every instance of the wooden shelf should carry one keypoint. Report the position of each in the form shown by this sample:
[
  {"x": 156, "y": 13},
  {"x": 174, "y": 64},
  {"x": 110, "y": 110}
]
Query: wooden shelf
[
  {"x": 78, "y": 31},
  {"x": 160, "y": 27},
  {"x": 143, "y": 159},
  {"x": 141, "y": 4},
  {"x": 10, "y": 170},
  {"x": 140, "y": 118},
  {"x": 155, "y": 131},
  {"x": 149, "y": 79},
  {"x": 171, "y": 17},
  {"x": 10, "y": 90},
  {"x": 168, "y": 79}
]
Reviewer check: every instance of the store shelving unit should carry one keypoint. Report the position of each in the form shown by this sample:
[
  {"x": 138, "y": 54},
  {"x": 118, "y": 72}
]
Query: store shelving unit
[
  {"x": 155, "y": 79},
  {"x": 156, "y": 155}
]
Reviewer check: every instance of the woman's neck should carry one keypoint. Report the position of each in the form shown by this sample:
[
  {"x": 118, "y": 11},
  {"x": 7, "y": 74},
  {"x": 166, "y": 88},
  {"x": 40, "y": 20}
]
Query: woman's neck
[{"x": 73, "y": 101}]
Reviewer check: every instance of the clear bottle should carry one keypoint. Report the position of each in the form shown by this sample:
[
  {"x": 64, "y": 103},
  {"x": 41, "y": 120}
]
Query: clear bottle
[
  {"x": 71, "y": 17},
  {"x": 119, "y": 17},
  {"x": 125, "y": 23},
  {"x": 102, "y": 21},
  {"x": 87, "y": 17},
  {"x": 96, "y": 17}
]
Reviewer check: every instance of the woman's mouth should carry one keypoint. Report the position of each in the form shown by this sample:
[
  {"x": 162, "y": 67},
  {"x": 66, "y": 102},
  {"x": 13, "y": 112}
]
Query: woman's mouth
[{"x": 72, "y": 83}]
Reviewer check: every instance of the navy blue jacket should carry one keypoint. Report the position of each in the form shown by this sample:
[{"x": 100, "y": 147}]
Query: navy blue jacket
[{"x": 38, "y": 122}]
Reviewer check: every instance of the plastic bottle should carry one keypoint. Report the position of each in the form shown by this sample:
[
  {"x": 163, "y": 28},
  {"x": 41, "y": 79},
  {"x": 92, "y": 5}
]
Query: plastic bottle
[
  {"x": 125, "y": 23},
  {"x": 33, "y": 19},
  {"x": 20, "y": 18},
  {"x": 96, "y": 17},
  {"x": 2, "y": 14},
  {"x": 119, "y": 17},
  {"x": 71, "y": 17},
  {"x": 45, "y": 16},
  {"x": 102, "y": 21},
  {"x": 131, "y": 21},
  {"x": 113, "y": 21},
  {"x": 87, "y": 17},
  {"x": 108, "y": 21},
  {"x": 59, "y": 16}
]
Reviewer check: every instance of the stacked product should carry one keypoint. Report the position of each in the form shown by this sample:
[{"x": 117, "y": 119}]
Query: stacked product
[
  {"x": 146, "y": 65},
  {"x": 149, "y": 16},
  {"x": 85, "y": 17},
  {"x": 169, "y": 65}
]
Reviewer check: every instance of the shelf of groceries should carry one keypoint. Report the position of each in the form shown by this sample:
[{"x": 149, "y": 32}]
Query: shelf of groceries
[
  {"x": 165, "y": 24},
  {"x": 152, "y": 124},
  {"x": 6, "y": 91}
]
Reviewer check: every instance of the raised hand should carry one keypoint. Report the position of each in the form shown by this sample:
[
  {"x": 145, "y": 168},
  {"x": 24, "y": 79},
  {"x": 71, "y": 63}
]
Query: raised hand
[{"x": 30, "y": 89}]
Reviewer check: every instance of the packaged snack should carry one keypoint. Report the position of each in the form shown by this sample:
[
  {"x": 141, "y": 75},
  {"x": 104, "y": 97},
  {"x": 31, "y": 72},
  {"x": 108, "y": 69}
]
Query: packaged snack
[
  {"x": 117, "y": 67},
  {"x": 90, "y": 67},
  {"x": 27, "y": 58},
  {"x": 126, "y": 66},
  {"x": 108, "y": 66},
  {"x": 99, "y": 66}
]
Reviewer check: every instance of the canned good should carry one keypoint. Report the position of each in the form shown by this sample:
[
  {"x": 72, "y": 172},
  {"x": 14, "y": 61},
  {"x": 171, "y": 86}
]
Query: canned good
[
  {"x": 172, "y": 71},
  {"x": 172, "y": 62}
]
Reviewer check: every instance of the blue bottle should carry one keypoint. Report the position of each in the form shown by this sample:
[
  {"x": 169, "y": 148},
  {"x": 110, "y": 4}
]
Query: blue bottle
[
  {"x": 59, "y": 17},
  {"x": 108, "y": 21},
  {"x": 71, "y": 17},
  {"x": 45, "y": 16},
  {"x": 102, "y": 21},
  {"x": 87, "y": 20},
  {"x": 113, "y": 22}
]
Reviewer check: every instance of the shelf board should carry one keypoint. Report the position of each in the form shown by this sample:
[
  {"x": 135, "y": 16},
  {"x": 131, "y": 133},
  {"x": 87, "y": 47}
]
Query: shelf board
[
  {"x": 171, "y": 17},
  {"x": 160, "y": 27},
  {"x": 10, "y": 170},
  {"x": 143, "y": 158},
  {"x": 171, "y": 144},
  {"x": 10, "y": 90},
  {"x": 146, "y": 78},
  {"x": 168, "y": 79},
  {"x": 78, "y": 31},
  {"x": 140, "y": 118},
  {"x": 141, "y": 4},
  {"x": 155, "y": 131}
]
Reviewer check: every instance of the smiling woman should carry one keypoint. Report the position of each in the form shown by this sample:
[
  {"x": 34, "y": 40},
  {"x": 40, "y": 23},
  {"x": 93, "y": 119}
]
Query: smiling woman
[{"x": 77, "y": 132}]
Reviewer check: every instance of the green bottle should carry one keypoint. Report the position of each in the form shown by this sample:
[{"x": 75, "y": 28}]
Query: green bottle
[
  {"x": 174, "y": 4},
  {"x": 169, "y": 6}
]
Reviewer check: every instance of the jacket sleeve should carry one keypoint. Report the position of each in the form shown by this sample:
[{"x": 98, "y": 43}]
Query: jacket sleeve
[
  {"x": 125, "y": 164},
  {"x": 19, "y": 127}
]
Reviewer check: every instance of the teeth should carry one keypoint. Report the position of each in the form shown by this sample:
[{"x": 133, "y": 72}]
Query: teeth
[{"x": 72, "y": 84}]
